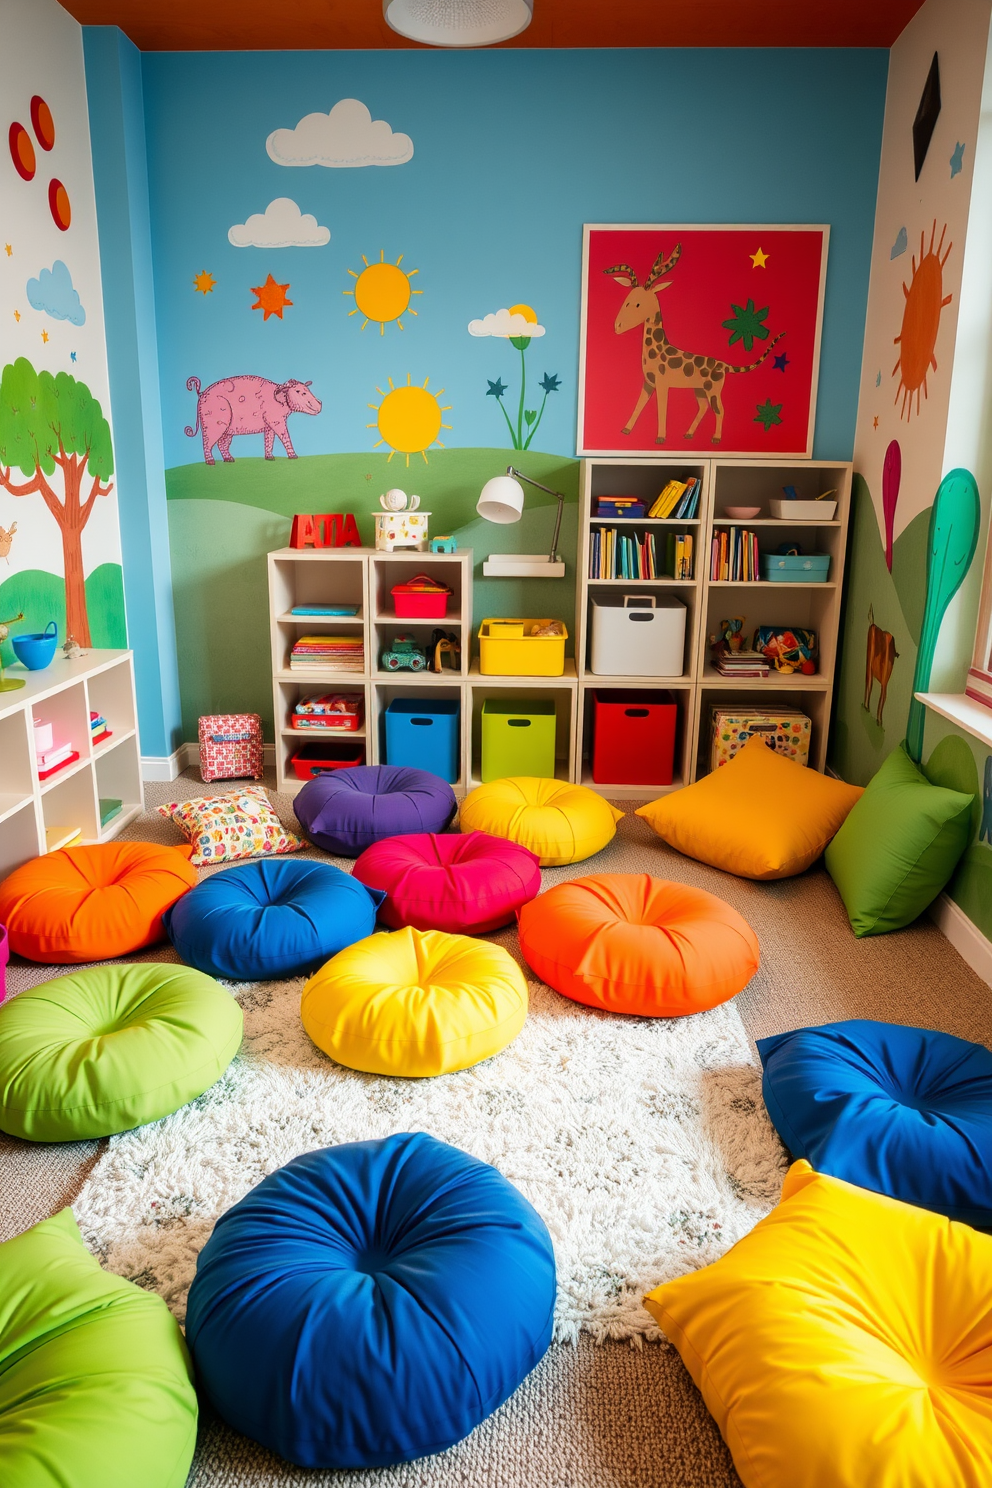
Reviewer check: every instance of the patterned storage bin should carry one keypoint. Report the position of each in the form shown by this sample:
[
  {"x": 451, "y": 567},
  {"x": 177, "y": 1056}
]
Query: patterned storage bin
[
  {"x": 231, "y": 746},
  {"x": 788, "y": 733}
]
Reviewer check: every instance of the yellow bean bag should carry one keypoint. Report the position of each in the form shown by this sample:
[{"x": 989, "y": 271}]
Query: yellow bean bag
[
  {"x": 760, "y": 816},
  {"x": 558, "y": 822},
  {"x": 845, "y": 1342},
  {"x": 417, "y": 1002}
]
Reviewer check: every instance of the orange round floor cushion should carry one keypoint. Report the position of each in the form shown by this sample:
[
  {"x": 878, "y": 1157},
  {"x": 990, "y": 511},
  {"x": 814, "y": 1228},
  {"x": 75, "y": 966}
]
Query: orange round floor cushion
[
  {"x": 629, "y": 943},
  {"x": 92, "y": 903}
]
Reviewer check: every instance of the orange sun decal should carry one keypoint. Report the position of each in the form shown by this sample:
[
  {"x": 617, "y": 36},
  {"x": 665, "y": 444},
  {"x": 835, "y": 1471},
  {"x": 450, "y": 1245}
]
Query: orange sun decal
[
  {"x": 271, "y": 298},
  {"x": 916, "y": 340}
]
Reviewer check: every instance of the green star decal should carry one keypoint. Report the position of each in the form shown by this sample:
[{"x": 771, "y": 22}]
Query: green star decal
[
  {"x": 768, "y": 413},
  {"x": 745, "y": 324}
]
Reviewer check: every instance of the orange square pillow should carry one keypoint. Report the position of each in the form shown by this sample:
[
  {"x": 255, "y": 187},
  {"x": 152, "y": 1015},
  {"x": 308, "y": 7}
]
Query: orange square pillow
[{"x": 760, "y": 816}]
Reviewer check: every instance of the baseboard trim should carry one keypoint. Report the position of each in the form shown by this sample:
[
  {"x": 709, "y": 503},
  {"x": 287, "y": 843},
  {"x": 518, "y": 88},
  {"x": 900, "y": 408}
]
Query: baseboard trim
[
  {"x": 964, "y": 935},
  {"x": 163, "y": 767}
]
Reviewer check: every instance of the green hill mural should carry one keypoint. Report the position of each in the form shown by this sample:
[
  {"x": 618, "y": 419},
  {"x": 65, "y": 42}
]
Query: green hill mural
[{"x": 41, "y": 596}]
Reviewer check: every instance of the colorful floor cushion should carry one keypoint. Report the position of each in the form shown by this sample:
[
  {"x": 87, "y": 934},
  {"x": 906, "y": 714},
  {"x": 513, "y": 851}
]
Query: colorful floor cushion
[
  {"x": 237, "y": 824},
  {"x": 629, "y": 943},
  {"x": 278, "y": 918},
  {"x": 92, "y": 903},
  {"x": 845, "y": 1341},
  {"x": 345, "y": 812},
  {"x": 417, "y": 1002},
  {"x": 898, "y": 847},
  {"x": 103, "y": 1050},
  {"x": 557, "y": 822},
  {"x": 903, "y": 1111},
  {"x": 371, "y": 1303},
  {"x": 759, "y": 816},
  {"x": 470, "y": 884},
  {"x": 96, "y": 1389}
]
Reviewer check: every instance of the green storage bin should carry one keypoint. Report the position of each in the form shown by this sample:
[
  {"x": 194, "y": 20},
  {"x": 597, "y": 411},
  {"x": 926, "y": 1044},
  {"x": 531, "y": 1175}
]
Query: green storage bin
[{"x": 518, "y": 738}]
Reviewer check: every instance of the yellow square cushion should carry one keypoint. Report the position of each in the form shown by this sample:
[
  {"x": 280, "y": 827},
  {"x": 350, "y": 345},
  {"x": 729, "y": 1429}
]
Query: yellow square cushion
[
  {"x": 760, "y": 816},
  {"x": 846, "y": 1342}
]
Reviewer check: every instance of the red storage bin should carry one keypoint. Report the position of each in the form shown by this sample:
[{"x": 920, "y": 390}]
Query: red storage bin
[
  {"x": 416, "y": 601},
  {"x": 318, "y": 758},
  {"x": 633, "y": 738}
]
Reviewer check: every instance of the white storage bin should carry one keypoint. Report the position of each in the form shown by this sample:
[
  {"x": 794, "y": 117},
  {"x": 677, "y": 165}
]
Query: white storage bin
[{"x": 637, "y": 635}]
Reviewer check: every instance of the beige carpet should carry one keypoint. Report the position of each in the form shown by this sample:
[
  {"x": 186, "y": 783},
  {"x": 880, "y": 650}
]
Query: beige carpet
[{"x": 607, "y": 1416}]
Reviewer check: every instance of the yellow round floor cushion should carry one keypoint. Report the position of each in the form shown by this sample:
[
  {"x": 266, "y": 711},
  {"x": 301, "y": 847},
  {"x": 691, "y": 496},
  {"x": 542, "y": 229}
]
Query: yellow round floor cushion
[
  {"x": 417, "y": 1002},
  {"x": 760, "y": 816},
  {"x": 558, "y": 822},
  {"x": 846, "y": 1342}
]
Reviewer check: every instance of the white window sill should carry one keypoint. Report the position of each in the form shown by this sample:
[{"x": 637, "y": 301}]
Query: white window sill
[{"x": 973, "y": 717}]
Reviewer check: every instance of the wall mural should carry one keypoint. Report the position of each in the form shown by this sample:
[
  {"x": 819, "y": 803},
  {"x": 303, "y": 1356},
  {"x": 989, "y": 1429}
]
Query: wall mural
[
  {"x": 917, "y": 338},
  {"x": 409, "y": 419},
  {"x": 248, "y": 405},
  {"x": 382, "y": 292},
  {"x": 518, "y": 325},
  {"x": 881, "y": 657},
  {"x": 748, "y": 287}
]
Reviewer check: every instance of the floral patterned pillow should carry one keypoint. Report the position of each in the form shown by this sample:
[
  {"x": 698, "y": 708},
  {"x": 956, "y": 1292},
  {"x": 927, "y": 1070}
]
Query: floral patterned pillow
[{"x": 241, "y": 824}]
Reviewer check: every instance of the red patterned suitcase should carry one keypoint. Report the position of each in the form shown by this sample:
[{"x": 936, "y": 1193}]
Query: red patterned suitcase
[{"x": 231, "y": 746}]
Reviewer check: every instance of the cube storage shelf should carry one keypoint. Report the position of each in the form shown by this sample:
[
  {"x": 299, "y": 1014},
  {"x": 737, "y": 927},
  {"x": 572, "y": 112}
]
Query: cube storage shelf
[
  {"x": 64, "y": 694},
  {"x": 364, "y": 577}
]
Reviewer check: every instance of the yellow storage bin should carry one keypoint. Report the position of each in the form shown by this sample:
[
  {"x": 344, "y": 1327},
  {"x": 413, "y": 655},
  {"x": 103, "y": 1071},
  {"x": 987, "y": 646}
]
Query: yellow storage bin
[{"x": 507, "y": 649}]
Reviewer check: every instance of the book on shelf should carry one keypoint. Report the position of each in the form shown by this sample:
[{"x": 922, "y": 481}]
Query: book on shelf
[
  {"x": 110, "y": 807},
  {"x": 56, "y": 837},
  {"x": 328, "y": 653},
  {"x": 73, "y": 756},
  {"x": 734, "y": 556},
  {"x": 741, "y": 664},
  {"x": 98, "y": 729},
  {"x": 340, "y": 610},
  {"x": 679, "y": 499},
  {"x": 49, "y": 758},
  {"x": 620, "y": 506},
  {"x": 619, "y": 555},
  {"x": 678, "y": 558}
]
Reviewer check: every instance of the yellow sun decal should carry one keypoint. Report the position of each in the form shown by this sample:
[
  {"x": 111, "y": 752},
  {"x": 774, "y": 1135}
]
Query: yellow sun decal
[
  {"x": 382, "y": 292},
  {"x": 917, "y": 339},
  {"x": 409, "y": 419},
  {"x": 525, "y": 311}
]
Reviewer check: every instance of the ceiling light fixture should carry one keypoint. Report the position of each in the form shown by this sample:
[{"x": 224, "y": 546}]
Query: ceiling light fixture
[{"x": 458, "y": 23}]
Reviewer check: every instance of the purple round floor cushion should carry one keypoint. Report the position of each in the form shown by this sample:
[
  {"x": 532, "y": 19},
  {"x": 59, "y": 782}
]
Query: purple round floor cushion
[
  {"x": 348, "y": 810},
  {"x": 466, "y": 885}
]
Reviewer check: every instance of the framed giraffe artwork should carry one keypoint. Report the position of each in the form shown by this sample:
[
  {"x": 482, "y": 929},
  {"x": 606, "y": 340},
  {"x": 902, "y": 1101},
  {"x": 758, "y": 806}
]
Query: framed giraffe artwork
[{"x": 700, "y": 339}]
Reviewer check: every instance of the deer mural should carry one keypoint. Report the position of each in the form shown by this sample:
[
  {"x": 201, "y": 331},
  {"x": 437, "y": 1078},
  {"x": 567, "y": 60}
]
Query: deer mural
[
  {"x": 6, "y": 538},
  {"x": 663, "y": 365},
  {"x": 880, "y": 657}
]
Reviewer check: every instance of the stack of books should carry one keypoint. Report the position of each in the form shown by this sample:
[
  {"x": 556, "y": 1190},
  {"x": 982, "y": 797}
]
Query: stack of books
[
  {"x": 328, "y": 653},
  {"x": 98, "y": 729},
  {"x": 614, "y": 555},
  {"x": 56, "y": 758},
  {"x": 620, "y": 506},
  {"x": 741, "y": 664},
  {"x": 679, "y": 499},
  {"x": 734, "y": 556}
]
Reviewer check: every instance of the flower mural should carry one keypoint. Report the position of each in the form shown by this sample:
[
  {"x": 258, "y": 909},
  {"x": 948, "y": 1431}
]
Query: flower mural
[{"x": 518, "y": 325}]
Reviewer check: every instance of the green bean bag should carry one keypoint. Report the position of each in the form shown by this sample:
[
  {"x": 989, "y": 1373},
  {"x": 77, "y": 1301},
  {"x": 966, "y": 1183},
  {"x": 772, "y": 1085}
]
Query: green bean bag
[
  {"x": 111, "y": 1047},
  {"x": 96, "y": 1387}
]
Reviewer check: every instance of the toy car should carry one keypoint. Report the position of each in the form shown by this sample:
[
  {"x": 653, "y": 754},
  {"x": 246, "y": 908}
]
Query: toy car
[
  {"x": 403, "y": 655},
  {"x": 443, "y": 545}
]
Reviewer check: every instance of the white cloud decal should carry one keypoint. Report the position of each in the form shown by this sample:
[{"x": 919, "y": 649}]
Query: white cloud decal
[
  {"x": 504, "y": 324},
  {"x": 281, "y": 225},
  {"x": 347, "y": 136}
]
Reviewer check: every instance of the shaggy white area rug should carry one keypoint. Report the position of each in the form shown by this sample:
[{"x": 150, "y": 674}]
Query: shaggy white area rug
[{"x": 643, "y": 1143}]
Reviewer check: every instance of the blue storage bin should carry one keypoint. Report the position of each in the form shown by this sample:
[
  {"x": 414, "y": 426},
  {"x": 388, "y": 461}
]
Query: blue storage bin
[
  {"x": 795, "y": 568},
  {"x": 422, "y": 733}
]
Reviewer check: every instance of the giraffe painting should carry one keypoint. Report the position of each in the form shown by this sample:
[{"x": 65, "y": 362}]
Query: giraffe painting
[{"x": 663, "y": 365}]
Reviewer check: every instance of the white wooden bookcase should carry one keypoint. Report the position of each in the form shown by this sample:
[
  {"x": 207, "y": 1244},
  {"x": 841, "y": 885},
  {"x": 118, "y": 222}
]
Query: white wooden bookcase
[
  {"x": 64, "y": 694},
  {"x": 364, "y": 577}
]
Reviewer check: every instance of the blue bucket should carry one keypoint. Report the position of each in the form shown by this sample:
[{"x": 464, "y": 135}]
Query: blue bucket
[{"x": 36, "y": 651}]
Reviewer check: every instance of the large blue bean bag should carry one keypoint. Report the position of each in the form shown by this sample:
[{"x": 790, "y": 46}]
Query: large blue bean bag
[
  {"x": 274, "y": 918},
  {"x": 371, "y": 1303},
  {"x": 348, "y": 810},
  {"x": 902, "y": 1111}
]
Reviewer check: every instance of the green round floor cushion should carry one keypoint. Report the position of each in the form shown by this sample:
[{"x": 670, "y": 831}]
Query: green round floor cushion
[
  {"x": 111, "y": 1047},
  {"x": 96, "y": 1387}
]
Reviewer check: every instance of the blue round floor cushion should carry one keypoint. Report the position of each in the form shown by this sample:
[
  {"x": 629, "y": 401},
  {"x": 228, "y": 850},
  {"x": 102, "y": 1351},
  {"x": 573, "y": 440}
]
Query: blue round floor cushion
[
  {"x": 348, "y": 810},
  {"x": 905, "y": 1112},
  {"x": 371, "y": 1303},
  {"x": 275, "y": 918}
]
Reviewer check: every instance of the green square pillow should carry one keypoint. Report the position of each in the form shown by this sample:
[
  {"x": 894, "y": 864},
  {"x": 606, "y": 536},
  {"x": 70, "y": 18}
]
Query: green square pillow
[{"x": 898, "y": 847}]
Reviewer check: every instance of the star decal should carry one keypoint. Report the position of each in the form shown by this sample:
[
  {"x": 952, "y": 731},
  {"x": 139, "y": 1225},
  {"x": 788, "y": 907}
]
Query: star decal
[
  {"x": 957, "y": 159},
  {"x": 8, "y": 249},
  {"x": 550, "y": 382},
  {"x": 874, "y": 422},
  {"x": 272, "y": 298},
  {"x": 17, "y": 315},
  {"x": 780, "y": 362},
  {"x": 759, "y": 259},
  {"x": 72, "y": 356},
  {"x": 768, "y": 413},
  {"x": 496, "y": 389},
  {"x": 44, "y": 335},
  {"x": 746, "y": 323},
  {"x": 204, "y": 283}
]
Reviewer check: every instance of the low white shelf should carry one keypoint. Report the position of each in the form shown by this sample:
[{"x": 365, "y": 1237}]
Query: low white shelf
[{"x": 64, "y": 694}]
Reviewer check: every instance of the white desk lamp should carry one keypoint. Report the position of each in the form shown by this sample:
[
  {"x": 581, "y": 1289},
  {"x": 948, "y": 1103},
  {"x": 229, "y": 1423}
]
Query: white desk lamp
[{"x": 502, "y": 500}]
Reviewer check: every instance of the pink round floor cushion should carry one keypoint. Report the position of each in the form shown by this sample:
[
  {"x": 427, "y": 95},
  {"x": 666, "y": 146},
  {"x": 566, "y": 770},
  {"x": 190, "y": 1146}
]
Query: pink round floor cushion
[{"x": 467, "y": 884}]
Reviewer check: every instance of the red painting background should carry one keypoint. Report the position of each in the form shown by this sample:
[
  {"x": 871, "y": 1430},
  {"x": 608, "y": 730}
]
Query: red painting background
[{"x": 714, "y": 273}]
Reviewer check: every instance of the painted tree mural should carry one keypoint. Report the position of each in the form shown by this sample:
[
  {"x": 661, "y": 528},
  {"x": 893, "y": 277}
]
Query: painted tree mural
[{"x": 52, "y": 423}]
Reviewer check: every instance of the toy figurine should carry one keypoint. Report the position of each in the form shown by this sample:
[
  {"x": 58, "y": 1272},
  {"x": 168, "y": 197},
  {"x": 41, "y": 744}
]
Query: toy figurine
[
  {"x": 72, "y": 650},
  {"x": 9, "y": 684},
  {"x": 403, "y": 655},
  {"x": 443, "y": 545},
  {"x": 445, "y": 643}
]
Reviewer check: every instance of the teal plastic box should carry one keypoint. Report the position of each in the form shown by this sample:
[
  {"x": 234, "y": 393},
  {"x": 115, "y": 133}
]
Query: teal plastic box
[
  {"x": 518, "y": 738},
  {"x": 795, "y": 568}
]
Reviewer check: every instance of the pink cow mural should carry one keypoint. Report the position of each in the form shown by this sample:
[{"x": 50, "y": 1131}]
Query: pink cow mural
[{"x": 248, "y": 405}]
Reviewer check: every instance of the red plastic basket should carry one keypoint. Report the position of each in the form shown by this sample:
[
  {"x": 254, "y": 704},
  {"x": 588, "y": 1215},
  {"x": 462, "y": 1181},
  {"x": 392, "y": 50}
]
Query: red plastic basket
[
  {"x": 420, "y": 604},
  {"x": 318, "y": 758}
]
